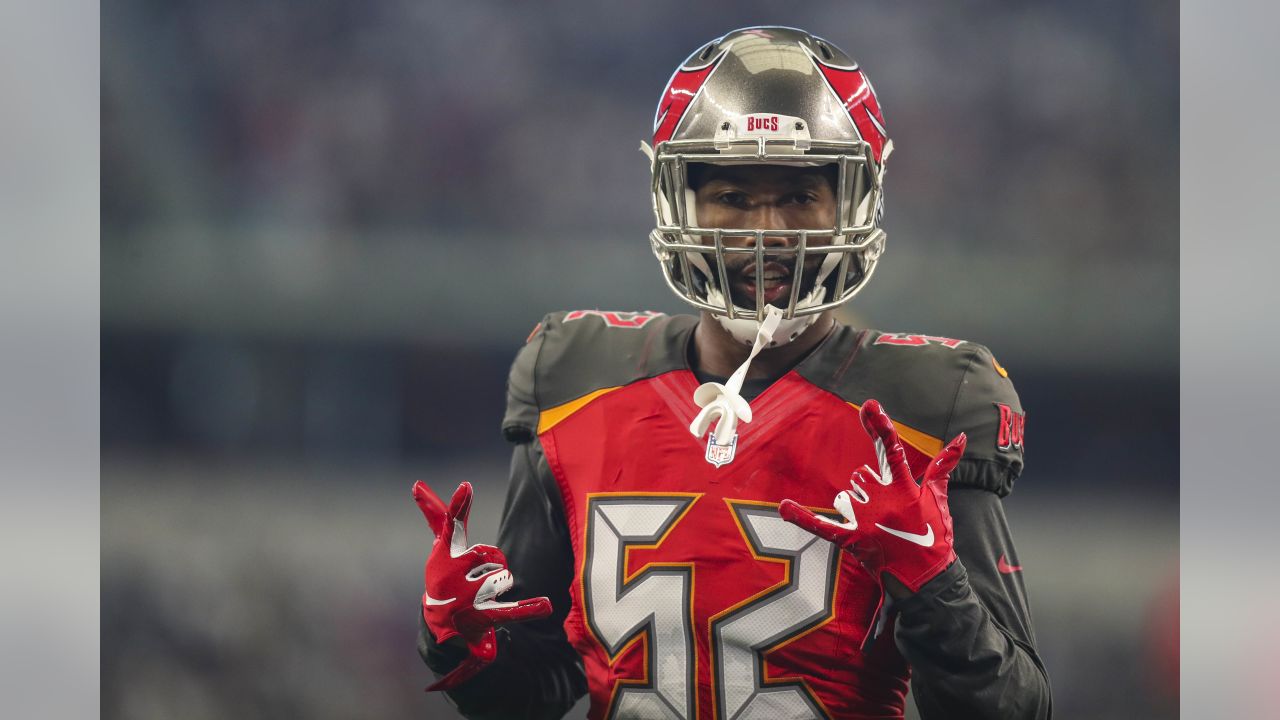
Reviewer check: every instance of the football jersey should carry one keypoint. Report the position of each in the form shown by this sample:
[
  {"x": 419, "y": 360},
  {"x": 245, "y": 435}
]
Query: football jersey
[{"x": 690, "y": 596}]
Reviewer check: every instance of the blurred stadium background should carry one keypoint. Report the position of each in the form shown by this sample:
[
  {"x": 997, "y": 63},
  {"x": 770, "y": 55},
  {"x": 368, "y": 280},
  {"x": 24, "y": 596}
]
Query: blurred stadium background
[{"x": 327, "y": 227}]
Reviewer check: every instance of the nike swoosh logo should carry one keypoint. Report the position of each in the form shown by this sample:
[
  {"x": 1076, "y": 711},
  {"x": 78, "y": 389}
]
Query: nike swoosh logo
[
  {"x": 924, "y": 539},
  {"x": 432, "y": 601},
  {"x": 1003, "y": 565}
]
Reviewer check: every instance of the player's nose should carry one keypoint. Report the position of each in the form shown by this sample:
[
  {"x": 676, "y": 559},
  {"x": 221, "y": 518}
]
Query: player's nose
[
  {"x": 769, "y": 217},
  {"x": 779, "y": 241}
]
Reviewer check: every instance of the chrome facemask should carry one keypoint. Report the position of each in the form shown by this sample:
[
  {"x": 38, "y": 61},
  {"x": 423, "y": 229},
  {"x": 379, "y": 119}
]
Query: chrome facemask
[{"x": 693, "y": 257}]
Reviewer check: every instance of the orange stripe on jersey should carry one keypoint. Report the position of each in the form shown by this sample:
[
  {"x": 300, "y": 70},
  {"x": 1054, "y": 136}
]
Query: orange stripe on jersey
[
  {"x": 1003, "y": 373},
  {"x": 924, "y": 442},
  {"x": 551, "y": 417}
]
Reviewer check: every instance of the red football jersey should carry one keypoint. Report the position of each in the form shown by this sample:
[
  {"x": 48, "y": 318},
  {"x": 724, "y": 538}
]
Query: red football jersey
[{"x": 691, "y": 596}]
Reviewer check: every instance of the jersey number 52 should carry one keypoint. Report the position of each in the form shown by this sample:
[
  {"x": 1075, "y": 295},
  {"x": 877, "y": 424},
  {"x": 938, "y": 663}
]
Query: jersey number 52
[{"x": 657, "y": 603}]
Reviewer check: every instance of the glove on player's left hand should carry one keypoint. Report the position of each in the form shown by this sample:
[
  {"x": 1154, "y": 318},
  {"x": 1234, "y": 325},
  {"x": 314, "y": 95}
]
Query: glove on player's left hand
[
  {"x": 463, "y": 583},
  {"x": 899, "y": 528}
]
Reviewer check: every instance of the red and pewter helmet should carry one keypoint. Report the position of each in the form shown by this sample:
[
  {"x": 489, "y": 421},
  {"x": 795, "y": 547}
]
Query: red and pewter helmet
[{"x": 769, "y": 95}]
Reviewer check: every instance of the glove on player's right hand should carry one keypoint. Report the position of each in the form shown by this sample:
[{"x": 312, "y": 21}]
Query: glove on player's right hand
[{"x": 463, "y": 583}]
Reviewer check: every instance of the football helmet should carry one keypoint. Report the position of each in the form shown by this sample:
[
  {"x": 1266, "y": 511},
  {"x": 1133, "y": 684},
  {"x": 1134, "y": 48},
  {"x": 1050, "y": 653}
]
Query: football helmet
[{"x": 768, "y": 95}]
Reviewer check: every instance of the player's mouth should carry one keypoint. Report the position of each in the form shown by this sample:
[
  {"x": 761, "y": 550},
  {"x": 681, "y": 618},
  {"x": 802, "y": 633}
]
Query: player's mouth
[{"x": 775, "y": 281}]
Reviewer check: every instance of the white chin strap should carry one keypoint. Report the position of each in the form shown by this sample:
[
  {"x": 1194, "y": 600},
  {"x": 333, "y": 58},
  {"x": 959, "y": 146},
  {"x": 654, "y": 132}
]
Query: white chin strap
[
  {"x": 744, "y": 329},
  {"x": 724, "y": 404}
]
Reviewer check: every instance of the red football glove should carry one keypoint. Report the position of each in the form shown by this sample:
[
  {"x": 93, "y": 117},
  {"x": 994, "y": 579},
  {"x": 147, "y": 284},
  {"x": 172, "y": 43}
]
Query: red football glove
[
  {"x": 462, "y": 584},
  {"x": 900, "y": 528}
]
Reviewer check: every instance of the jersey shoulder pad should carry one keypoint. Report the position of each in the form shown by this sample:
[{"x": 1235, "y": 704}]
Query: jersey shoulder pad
[
  {"x": 934, "y": 388},
  {"x": 571, "y": 355}
]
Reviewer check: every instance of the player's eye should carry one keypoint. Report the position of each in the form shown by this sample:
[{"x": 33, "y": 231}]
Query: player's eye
[
  {"x": 801, "y": 198},
  {"x": 732, "y": 198}
]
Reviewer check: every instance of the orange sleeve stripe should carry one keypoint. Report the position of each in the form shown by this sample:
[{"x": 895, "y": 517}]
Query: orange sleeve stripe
[
  {"x": 1000, "y": 369},
  {"x": 551, "y": 417},
  {"x": 924, "y": 442}
]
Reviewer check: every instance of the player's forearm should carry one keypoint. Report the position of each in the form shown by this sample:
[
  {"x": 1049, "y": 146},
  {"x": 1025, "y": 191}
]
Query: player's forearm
[
  {"x": 963, "y": 663},
  {"x": 519, "y": 683}
]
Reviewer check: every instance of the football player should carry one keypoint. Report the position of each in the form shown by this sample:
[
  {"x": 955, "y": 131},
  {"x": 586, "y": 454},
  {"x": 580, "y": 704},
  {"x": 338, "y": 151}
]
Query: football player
[{"x": 715, "y": 516}]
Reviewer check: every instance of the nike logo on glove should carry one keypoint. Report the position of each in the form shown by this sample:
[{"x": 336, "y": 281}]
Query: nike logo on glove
[
  {"x": 428, "y": 600},
  {"x": 924, "y": 539}
]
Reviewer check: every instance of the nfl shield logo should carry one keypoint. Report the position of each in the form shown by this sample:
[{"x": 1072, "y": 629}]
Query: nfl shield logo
[{"x": 721, "y": 454}]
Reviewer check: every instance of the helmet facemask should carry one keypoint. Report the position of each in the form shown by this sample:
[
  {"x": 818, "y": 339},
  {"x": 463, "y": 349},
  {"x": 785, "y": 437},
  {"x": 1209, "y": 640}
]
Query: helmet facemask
[{"x": 827, "y": 266}]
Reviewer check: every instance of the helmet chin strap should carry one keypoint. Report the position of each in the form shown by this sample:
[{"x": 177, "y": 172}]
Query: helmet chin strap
[
  {"x": 724, "y": 404},
  {"x": 744, "y": 329}
]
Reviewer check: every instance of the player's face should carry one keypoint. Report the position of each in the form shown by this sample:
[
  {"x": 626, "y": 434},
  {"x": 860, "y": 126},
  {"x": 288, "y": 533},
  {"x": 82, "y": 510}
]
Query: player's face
[{"x": 766, "y": 197}]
